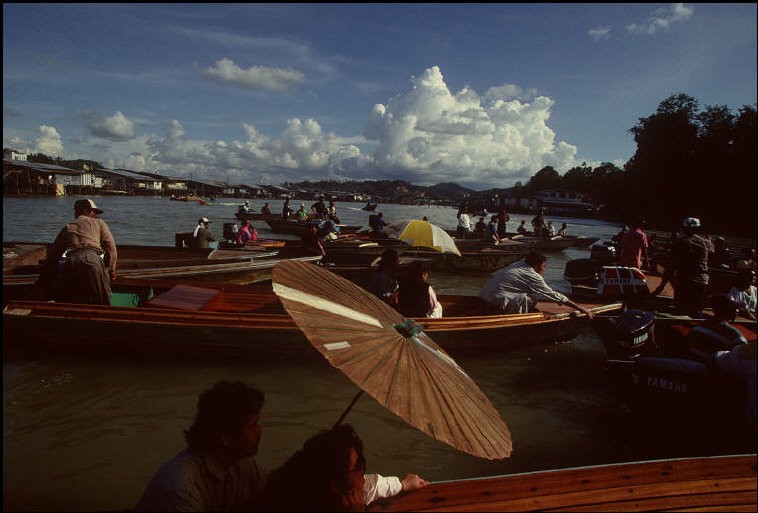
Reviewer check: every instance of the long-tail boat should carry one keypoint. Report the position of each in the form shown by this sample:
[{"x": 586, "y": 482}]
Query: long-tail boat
[
  {"x": 170, "y": 315},
  {"x": 22, "y": 262}
]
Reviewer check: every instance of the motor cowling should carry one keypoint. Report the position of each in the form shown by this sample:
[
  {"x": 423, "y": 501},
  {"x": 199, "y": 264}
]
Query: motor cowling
[{"x": 629, "y": 334}]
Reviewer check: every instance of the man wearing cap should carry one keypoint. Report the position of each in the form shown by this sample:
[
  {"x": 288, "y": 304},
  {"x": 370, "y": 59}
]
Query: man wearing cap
[
  {"x": 688, "y": 265},
  {"x": 90, "y": 256},
  {"x": 202, "y": 234}
]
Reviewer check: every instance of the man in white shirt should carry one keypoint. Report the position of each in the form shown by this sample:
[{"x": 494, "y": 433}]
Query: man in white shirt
[{"x": 517, "y": 288}]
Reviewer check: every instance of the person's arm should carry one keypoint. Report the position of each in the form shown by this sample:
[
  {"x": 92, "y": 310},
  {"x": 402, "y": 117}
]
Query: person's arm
[
  {"x": 108, "y": 243},
  {"x": 380, "y": 487},
  {"x": 581, "y": 309}
]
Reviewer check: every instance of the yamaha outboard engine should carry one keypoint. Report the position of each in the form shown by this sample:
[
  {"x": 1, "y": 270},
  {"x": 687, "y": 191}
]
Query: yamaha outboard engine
[{"x": 628, "y": 335}]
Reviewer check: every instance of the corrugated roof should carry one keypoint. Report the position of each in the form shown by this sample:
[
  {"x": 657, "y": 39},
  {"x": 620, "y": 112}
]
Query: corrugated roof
[{"x": 48, "y": 168}]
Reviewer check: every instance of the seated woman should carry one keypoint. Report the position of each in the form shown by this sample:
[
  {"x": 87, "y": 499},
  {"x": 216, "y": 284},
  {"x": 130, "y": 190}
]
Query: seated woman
[
  {"x": 416, "y": 298},
  {"x": 328, "y": 474}
]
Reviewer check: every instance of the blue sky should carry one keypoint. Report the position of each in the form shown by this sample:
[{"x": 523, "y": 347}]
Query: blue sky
[{"x": 479, "y": 94}]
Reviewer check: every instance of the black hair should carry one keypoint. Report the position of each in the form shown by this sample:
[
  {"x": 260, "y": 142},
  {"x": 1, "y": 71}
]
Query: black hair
[
  {"x": 222, "y": 410},
  {"x": 304, "y": 482},
  {"x": 724, "y": 308},
  {"x": 534, "y": 258}
]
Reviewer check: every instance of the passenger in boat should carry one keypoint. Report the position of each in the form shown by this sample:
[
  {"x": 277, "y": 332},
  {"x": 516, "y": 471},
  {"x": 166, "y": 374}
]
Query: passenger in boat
[
  {"x": 538, "y": 224},
  {"x": 246, "y": 232},
  {"x": 266, "y": 209},
  {"x": 518, "y": 287},
  {"x": 331, "y": 211},
  {"x": 377, "y": 224},
  {"x": 312, "y": 244},
  {"x": 318, "y": 208},
  {"x": 563, "y": 230},
  {"x": 480, "y": 228},
  {"x": 634, "y": 247},
  {"x": 719, "y": 257},
  {"x": 286, "y": 209},
  {"x": 328, "y": 229},
  {"x": 743, "y": 293},
  {"x": 464, "y": 223},
  {"x": 716, "y": 334},
  {"x": 416, "y": 298},
  {"x": 492, "y": 231},
  {"x": 383, "y": 282},
  {"x": 747, "y": 261},
  {"x": 246, "y": 208},
  {"x": 687, "y": 269},
  {"x": 217, "y": 470},
  {"x": 301, "y": 213},
  {"x": 328, "y": 474},
  {"x": 502, "y": 221},
  {"x": 202, "y": 234},
  {"x": 90, "y": 258},
  {"x": 549, "y": 230},
  {"x": 522, "y": 228}
]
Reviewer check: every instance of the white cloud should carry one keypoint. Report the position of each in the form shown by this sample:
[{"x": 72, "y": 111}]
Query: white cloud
[
  {"x": 426, "y": 134},
  {"x": 598, "y": 33},
  {"x": 433, "y": 135},
  {"x": 49, "y": 142},
  {"x": 255, "y": 78},
  {"x": 662, "y": 18},
  {"x": 115, "y": 128}
]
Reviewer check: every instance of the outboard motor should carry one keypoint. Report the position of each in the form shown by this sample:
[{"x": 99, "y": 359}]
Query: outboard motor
[
  {"x": 582, "y": 271},
  {"x": 603, "y": 253},
  {"x": 629, "y": 335}
]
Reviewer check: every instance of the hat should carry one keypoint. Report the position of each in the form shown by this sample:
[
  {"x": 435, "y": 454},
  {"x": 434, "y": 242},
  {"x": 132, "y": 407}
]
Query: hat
[
  {"x": 86, "y": 204},
  {"x": 691, "y": 222},
  {"x": 302, "y": 204},
  {"x": 203, "y": 220}
]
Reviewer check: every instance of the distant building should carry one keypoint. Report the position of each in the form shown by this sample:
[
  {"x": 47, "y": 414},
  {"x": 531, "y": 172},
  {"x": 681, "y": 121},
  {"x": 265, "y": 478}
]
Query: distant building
[{"x": 554, "y": 201}]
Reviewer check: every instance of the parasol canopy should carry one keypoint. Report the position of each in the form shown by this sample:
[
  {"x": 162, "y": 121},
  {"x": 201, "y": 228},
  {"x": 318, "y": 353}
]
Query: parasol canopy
[
  {"x": 420, "y": 233},
  {"x": 391, "y": 359}
]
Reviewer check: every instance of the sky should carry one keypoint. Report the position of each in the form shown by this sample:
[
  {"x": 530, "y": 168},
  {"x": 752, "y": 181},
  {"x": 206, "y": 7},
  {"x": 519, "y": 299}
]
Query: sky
[{"x": 483, "y": 95}]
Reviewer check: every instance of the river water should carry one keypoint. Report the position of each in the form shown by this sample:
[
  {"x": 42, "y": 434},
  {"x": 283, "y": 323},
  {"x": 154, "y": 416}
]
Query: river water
[{"x": 86, "y": 432}]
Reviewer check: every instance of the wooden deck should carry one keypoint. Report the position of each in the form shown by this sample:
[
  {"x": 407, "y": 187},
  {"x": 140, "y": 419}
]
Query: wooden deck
[{"x": 719, "y": 483}]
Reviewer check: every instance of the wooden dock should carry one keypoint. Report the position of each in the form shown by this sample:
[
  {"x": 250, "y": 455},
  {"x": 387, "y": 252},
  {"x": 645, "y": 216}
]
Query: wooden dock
[{"x": 718, "y": 483}]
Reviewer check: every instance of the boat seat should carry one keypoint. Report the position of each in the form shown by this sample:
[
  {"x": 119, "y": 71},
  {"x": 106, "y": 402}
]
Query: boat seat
[{"x": 184, "y": 297}]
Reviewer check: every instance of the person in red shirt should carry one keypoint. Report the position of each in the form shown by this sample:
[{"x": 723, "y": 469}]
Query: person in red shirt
[{"x": 634, "y": 247}]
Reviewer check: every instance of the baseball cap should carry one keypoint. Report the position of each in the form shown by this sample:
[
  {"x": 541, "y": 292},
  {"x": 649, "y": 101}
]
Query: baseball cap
[
  {"x": 203, "y": 220},
  {"x": 691, "y": 222},
  {"x": 87, "y": 204}
]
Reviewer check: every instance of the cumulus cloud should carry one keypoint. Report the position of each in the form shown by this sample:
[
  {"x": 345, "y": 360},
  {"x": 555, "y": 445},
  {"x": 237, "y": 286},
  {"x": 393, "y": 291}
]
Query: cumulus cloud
[
  {"x": 254, "y": 78},
  {"x": 426, "y": 134},
  {"x": 49, "y": 142},
  {"x": 598, "y": 33},
  {"x": 662, "y": 18},
  {"x": 114, "y": 128},
  {"x": 434, "y": 135}
]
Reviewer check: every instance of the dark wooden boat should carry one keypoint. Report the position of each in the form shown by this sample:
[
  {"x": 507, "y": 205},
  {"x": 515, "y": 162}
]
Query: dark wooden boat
[
  {"x": 21, "y": 263},
  {"x": 716, "y": 483},
  {"x": 251, "y": 319},
  {"x": 297, "y": 227}
]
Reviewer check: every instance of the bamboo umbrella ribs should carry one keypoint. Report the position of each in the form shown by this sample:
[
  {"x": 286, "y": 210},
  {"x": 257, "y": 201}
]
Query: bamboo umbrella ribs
[{"x": 391, "y": 359}]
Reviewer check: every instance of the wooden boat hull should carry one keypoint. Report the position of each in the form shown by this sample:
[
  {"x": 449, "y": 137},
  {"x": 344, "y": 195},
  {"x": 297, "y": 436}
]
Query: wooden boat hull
[
  {"x": 716, "y": 483},
  {"x": 293, "y": 227},
  {"x": 206, "y": 318},
  {"x": 256, "y": 216}
]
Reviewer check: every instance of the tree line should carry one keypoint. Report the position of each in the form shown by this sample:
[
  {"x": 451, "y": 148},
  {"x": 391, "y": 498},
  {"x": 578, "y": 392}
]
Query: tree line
[{"x": 689, "y": 162}]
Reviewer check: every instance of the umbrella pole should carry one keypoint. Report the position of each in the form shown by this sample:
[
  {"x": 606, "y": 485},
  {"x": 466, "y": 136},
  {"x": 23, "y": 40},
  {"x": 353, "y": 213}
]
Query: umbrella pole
[{"x": 350, "y": 407}]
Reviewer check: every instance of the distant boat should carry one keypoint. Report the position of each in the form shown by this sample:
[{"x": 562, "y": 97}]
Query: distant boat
[{"x": 370, "y": 207}]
